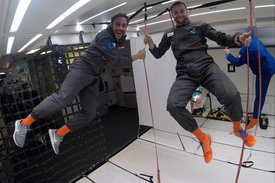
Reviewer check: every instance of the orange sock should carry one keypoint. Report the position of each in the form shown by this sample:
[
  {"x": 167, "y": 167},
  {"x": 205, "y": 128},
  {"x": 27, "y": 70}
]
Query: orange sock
[
  {"x": 252, "y": 123},
  {"x": 199, "y": 134},
  {"x": 28, "y": 120},
  {"x": 237, "y": 125},
  {"x": 63, "y": 131}
]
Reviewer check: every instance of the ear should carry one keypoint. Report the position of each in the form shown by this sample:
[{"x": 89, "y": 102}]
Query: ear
[{"x": 172, "y": 14}]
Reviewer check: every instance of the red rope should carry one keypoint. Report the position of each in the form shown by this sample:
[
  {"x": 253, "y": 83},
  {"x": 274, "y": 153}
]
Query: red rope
[
  {"x": 148, "y": 90},
  {"x": 177, "y": 133},
  {"x": 181, "y": 142},
  {"x": 171, "y": 18},
  {"x": 260, "y": 87},
  {"x": 247, "y": 105},
  {"x": 260, "y": 82}
]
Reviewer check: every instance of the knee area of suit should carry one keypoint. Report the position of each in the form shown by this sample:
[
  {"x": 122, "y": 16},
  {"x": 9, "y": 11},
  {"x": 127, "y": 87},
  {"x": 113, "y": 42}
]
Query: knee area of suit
[
  {"x": 172, "y": 108},
  {"x": 90, "y": 117},
  {"x": 232, "y": 97}
]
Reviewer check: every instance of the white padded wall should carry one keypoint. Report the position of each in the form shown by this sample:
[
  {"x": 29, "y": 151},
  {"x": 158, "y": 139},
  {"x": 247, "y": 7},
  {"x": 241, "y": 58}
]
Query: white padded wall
[{"x": 161, "y": 75}]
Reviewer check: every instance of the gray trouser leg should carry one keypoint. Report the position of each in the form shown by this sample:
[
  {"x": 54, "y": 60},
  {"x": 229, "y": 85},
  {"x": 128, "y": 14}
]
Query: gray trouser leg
[
  {"x": 179, "y": 96},
  {"x": 88, "y": 102},
  {"x": 215, "y": 81},
  {"x": 79, "y": 81},
  {"x": 225, "y": 91}
]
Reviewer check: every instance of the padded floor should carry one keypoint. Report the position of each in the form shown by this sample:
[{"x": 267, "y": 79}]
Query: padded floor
[{"x": 177, "y": 165}]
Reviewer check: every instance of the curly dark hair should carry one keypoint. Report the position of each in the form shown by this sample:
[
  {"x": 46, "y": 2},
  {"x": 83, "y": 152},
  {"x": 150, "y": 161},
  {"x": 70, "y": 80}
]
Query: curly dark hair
[{"x": 120, "y": 14}]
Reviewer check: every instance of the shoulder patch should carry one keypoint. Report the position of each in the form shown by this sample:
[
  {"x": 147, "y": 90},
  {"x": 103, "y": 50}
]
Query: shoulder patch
[
  {"x": 170, "y": 34},
  {"x": 110, "y": 45}
]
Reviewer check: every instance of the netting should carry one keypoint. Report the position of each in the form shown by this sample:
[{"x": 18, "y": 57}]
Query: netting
[{"x": 25, "y": 86}]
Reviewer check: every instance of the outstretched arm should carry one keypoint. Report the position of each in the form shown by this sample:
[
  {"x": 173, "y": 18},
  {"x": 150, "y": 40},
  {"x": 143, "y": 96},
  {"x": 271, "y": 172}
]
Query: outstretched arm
[
  {"x": 157, "y": 51},
  {"x": 237, "y": 61}
]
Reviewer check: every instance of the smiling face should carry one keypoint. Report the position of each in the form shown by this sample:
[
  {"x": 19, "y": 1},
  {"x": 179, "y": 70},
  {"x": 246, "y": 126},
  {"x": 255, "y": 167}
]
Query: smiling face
[
  {"x": 119, "y": 26},
  {"x": 180, "y": 14}
]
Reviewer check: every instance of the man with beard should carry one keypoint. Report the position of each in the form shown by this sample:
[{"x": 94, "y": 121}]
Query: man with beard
[
  {"x": 82, "y": 80},
  {"x": 196, "y": 68}
]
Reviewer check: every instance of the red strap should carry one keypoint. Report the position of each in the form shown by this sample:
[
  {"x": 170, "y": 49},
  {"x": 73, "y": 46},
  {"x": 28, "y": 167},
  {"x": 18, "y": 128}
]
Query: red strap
[
  {"x": 181, "y": 142},
  {"x": 148, "y": 90},
  {"x": 171, "y": 18},
  {"x": 260, "y": 88}
]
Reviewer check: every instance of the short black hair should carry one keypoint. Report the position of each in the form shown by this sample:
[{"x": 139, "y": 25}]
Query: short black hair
[
  {"x": 178, "y": 3},
  {"x": 120, "y": 14}
]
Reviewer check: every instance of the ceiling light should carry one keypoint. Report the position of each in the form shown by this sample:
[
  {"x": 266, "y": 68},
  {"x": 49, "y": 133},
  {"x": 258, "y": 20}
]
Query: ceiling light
[
  {"x": 205, "y": 13},
  {"x": 167, "y": 2},
  {"x": 10, "y": 43},
  {"x": 44, "y": 52},
  {"x": 265, "y": 6},
  {"x": 191, "y": 7},
  {"x": 131, "y": 13},
  {"x": 219, "y": 11},
  {"x": 103, "y": 12},
  {"x": 72, "y": 9},
  {"x": 78, "y": 27},
  {"x": 30, "y": 42},
  {"x": 19, "y": 14},
  {"x": 32, "y": 51}
]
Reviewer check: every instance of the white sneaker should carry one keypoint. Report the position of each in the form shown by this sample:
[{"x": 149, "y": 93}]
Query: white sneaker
[
  {"x": 20, "y": 132},
  {"x": 55, "y": 140}
]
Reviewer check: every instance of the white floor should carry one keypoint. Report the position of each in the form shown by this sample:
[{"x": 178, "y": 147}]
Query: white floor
[{"x": 179, "y": 166}]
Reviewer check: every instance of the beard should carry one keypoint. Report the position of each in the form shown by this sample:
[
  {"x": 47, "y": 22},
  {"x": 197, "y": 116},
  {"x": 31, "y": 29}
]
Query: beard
[{"x": 181, "y": 20}]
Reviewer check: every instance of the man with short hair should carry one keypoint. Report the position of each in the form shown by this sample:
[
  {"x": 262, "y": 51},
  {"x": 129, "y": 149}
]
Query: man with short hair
[
  {"x": 196, "y": 68},
  {"x": 82, "y": 80}
]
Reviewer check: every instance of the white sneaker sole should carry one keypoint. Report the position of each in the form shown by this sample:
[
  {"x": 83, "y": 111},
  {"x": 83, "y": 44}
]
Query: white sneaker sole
[{"x": 52, "y": 139}]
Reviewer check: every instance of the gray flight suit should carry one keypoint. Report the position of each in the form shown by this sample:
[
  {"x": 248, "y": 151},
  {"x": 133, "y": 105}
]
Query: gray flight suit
[
  {"x": 196, "y": 68},
  {"x": 83, "y": 80}
]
